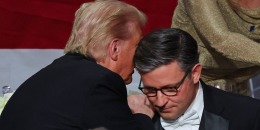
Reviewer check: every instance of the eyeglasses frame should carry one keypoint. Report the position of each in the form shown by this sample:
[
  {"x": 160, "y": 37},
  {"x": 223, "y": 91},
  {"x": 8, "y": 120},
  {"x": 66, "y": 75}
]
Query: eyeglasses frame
[{"x": 176, "y": 88}]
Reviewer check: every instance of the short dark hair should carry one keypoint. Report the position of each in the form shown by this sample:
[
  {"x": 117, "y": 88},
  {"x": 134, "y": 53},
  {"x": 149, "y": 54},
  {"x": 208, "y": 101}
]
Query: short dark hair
[{"x": 163, "y": 46}]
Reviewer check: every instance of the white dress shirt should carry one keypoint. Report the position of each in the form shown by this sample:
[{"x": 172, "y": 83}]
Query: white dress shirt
[{"x": 191, "y": 118}]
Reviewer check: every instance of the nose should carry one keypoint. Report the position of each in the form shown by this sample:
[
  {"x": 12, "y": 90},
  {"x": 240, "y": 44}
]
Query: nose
[{"x": 161, "y": 99}]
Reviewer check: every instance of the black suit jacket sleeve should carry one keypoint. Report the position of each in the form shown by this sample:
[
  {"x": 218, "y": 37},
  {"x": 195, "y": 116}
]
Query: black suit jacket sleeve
[
  {"x": 72, "y": 93},
  {"x": 108, "y": 104}
]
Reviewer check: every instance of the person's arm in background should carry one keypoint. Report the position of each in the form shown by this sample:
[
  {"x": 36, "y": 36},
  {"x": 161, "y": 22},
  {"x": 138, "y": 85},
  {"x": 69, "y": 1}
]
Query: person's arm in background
[{"x": 211, "y": 27}]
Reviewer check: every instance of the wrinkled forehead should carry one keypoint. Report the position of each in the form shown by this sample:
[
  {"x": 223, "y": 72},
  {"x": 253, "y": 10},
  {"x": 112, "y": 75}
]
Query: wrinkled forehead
[{"x": 163, "y": 75}]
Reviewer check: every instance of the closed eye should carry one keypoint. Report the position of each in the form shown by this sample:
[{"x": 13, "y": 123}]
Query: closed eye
[{"x": 169, "y": 89}]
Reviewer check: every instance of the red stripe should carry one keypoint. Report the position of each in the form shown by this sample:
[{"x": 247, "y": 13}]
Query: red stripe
[{"x": 46, "y": 24}]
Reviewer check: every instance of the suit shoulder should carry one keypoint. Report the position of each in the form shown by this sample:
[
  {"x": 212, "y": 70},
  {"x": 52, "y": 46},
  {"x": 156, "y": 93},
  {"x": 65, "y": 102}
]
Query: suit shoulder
[
  {"x": 79, "y": 64},
  {"x": 214, "y": 97}
]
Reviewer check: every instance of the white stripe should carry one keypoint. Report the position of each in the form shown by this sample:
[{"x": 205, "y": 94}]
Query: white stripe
[{"x": 17, "y": 65}]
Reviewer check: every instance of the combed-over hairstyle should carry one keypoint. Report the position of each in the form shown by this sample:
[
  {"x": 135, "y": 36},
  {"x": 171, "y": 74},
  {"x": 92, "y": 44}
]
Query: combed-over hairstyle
[
  {"x": 97, "y": 23},
  {"x": 163, "y": 46}
]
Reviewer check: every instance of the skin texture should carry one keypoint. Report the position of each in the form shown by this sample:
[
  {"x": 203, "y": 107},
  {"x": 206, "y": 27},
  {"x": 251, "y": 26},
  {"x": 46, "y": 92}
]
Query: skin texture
[
  {"x": 140, "y": 104},
  {"x": 249, "y": 4},
  {"x": 171, "y": 107},
  {"x": 126, "y": 55},
  {"x": 121, "y": 53}
]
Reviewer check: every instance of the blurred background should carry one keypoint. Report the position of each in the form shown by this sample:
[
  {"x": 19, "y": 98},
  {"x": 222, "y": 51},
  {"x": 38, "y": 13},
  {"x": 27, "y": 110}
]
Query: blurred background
[{"x": 34, "y": 32}]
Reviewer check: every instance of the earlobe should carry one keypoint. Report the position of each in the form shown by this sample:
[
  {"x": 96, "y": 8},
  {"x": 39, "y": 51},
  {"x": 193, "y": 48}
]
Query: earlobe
[
  {"x": 114, "y": 49},
  {"x": 196, "y": 72}
]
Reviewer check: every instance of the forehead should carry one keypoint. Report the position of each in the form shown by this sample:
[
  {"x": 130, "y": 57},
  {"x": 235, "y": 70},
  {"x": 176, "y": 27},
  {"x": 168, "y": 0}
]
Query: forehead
[{"x": 164, "y": 75}]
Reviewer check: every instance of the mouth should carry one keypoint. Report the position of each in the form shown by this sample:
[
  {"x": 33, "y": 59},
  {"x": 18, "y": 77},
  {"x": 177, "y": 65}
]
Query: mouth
[{"x": 165, "y": 110}]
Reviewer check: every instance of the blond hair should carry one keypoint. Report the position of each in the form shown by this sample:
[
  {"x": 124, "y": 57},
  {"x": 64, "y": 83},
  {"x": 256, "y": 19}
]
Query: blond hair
[{"x": 97, "y": 23}]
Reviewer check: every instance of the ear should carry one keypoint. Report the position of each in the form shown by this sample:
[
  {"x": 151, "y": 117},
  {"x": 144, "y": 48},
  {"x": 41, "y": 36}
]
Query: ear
[
  {"x": 196, "y": 72},
  {"x": 113, "y": 49}
]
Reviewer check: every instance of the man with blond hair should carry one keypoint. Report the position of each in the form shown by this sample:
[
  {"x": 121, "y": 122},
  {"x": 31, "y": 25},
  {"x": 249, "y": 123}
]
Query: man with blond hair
[{"x": 85, "y": 88}]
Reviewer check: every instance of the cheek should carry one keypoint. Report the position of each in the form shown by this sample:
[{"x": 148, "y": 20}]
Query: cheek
[
  {"x": 129, "y": 57},
  {"x": 185, "y": 96},
  {"x": 182, "y": 97},
  {"x": 152, "y": 100},
  {"x": 176, "y": 100}
]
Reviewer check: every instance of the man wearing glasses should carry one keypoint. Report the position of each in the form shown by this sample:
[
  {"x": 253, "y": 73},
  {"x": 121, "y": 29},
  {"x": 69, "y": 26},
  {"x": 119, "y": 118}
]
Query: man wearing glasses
[{"x": 168, "y": 62}]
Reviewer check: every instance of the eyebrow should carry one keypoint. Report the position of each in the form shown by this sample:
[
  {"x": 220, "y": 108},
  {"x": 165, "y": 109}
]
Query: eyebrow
[{"x": 165, "y": 86}]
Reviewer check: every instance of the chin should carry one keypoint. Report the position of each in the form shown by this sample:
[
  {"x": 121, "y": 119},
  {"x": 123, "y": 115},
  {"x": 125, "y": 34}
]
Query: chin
[
  {"x": 128, "y": 80},
  {"x": 168, "y": 116}
]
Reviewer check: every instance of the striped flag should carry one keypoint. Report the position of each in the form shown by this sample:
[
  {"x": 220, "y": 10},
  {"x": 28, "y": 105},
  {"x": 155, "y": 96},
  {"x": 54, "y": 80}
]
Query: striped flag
[{"x": 34, "y": 32}]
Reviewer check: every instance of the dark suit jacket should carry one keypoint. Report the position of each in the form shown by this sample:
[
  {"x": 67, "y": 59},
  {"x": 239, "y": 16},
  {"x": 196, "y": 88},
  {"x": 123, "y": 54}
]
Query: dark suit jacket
[
  {"x": 72, "y": 93},
  {"x": 225, "y": 111}
]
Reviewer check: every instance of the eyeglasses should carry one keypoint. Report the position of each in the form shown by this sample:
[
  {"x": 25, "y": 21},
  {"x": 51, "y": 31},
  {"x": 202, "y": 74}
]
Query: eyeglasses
[{"x": 168, "y": 91}]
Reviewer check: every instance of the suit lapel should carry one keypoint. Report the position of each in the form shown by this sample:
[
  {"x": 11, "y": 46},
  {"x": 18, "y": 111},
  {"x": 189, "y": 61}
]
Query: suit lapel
[
  {"x": 213, "y": 108},
  {"x": 157, "y": 122},
  {"x": 211, "y": 121}
]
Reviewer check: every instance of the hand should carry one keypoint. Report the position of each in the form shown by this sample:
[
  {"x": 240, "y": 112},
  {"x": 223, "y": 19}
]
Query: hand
[{"x": 139, "y": 103}]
